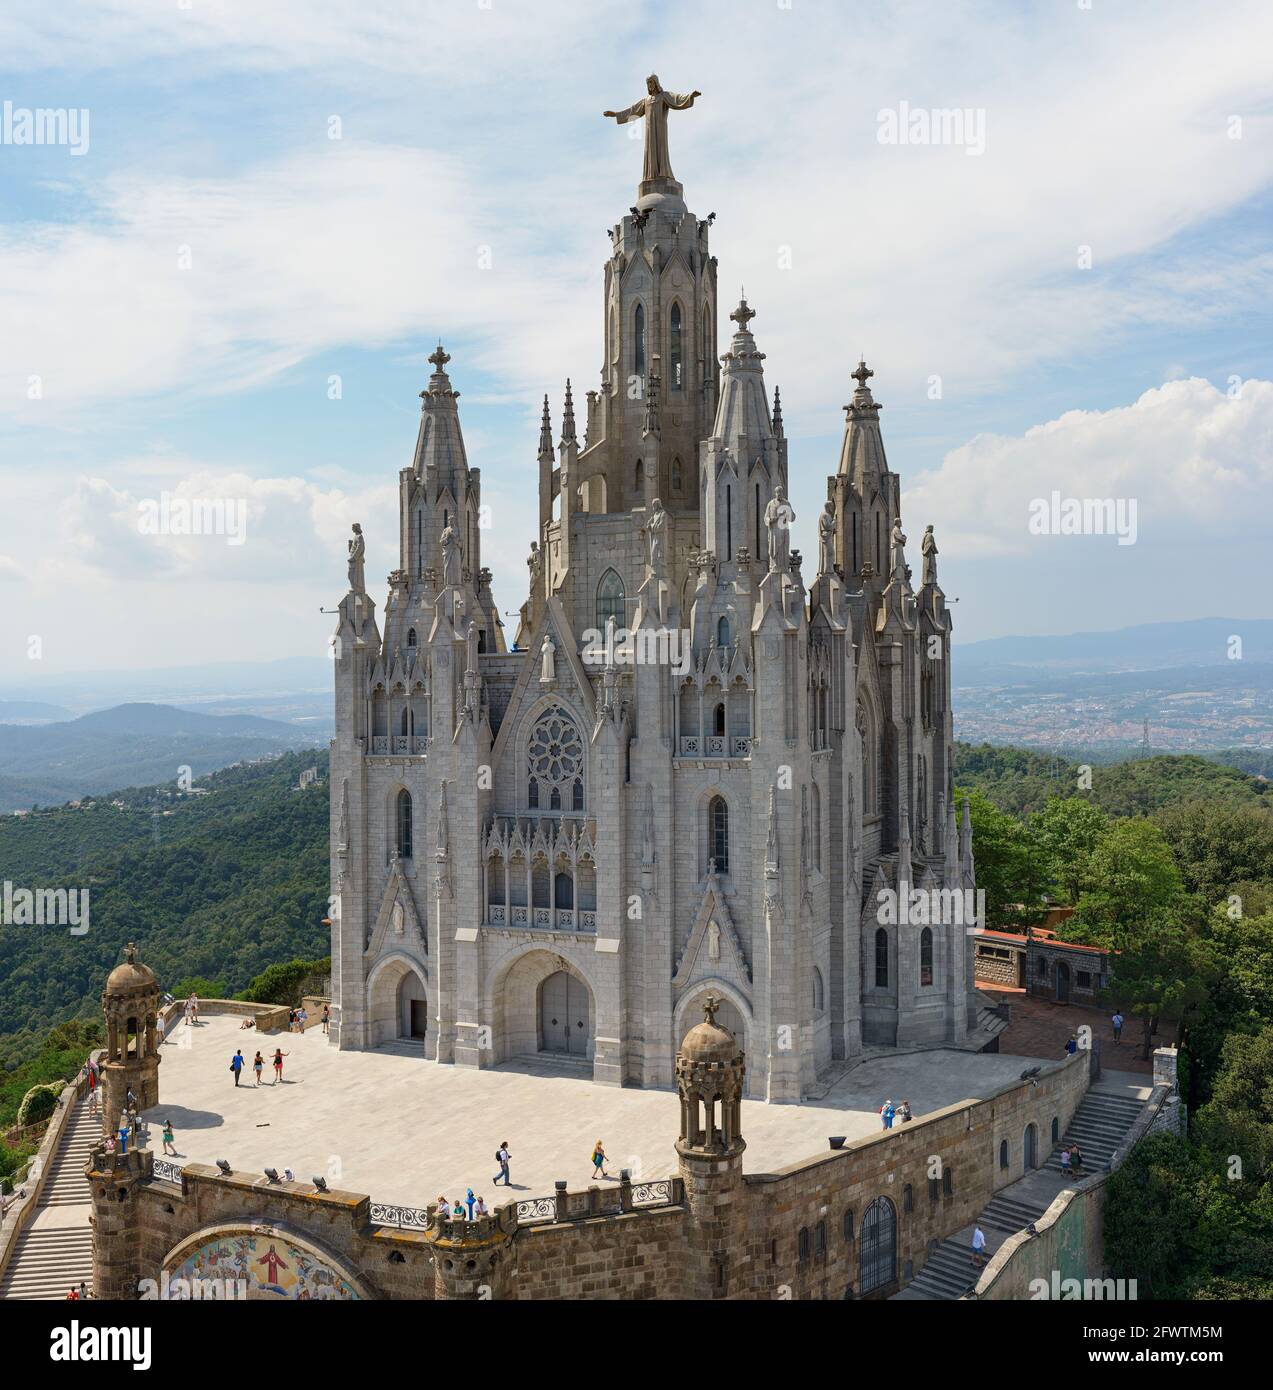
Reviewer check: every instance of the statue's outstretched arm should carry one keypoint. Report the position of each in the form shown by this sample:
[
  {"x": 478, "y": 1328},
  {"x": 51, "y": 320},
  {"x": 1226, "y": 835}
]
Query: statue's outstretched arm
[{"x": 629, "y": 114}]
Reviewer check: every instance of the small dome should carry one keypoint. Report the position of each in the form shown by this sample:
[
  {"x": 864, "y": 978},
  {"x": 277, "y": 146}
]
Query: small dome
[
  {"x": 708, "y": 1041},
  {"x": 130, "y": 975}
]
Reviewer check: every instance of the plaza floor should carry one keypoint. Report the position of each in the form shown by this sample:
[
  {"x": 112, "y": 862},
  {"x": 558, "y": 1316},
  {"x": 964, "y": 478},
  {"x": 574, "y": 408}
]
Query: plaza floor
[{"x": 403, "y": 1130}]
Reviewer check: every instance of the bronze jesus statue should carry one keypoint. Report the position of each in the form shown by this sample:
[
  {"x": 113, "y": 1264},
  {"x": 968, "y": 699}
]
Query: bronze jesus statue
[{"x": 654, "y": 107}]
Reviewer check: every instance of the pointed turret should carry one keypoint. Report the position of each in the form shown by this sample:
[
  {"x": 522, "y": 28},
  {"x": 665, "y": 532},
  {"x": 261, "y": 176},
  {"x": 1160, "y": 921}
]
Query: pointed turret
[
  {"x": 567, "y": 417},
  {"x": 546, "y": 432},
  {"x": 743, "y": 409},
  {"x": 777, "y": 415},
  {"x": 905, "y": 870},
  {"x": 965, "y": 840}
]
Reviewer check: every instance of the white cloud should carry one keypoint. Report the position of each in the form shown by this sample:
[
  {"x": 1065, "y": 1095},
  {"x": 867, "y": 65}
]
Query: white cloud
[{"x": 1198, "y": 463}]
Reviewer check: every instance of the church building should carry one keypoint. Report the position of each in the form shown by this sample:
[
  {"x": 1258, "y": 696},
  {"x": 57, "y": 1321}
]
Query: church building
[{"x": 703, "y": 765}]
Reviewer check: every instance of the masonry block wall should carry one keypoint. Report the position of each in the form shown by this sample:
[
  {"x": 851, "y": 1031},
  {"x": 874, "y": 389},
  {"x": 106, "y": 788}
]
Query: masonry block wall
[{"x": 753, "y": 1248}]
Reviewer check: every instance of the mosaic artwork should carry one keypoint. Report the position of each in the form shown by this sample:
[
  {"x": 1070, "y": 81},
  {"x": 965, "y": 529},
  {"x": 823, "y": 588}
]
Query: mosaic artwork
[{"x": 269, "y": 1264}]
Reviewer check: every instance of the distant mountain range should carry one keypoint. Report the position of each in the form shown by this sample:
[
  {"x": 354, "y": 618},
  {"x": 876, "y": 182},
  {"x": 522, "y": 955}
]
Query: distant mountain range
[
  {"x": 132, "y": 745},
  {"x": 1148, "y": 647}
]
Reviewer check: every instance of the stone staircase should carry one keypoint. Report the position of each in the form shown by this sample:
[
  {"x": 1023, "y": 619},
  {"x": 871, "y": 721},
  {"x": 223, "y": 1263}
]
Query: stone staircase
[
  {"x": 990, "y": 1022},
  {"x": 55, "y": 1249},
  {"x": 1100, "y": 1125}
]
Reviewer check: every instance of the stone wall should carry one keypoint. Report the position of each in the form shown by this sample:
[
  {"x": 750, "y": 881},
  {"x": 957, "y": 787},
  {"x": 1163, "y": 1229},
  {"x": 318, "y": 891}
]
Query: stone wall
[
  {"x": 946, "y": 1161},
  {"x": 905, "y": 1165}
]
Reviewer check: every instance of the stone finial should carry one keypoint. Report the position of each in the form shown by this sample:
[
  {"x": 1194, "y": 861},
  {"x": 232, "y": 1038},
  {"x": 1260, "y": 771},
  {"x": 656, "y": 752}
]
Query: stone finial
[
  {"x": 744, "y": 314},
  {"x": 130, "y": 953},
  {"x": 711, "y": 1006},
  {"x": 777, "y": 416},
  {"x": 546, "y": 432},
  {"x": 568, "y": 418},
  {"x": 439, "y": 357}
]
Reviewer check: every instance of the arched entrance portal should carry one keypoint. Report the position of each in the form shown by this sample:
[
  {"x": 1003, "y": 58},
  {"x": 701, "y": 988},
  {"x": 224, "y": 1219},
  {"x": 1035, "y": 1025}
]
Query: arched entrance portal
[
  {"x": 564, "y": 1024},
  {"x": 396, "y": 1003},
  {"x": 877, "y": 1257},
  {"x": 1031, "y": 1147},
  {"x": 1062, "y": 982}
]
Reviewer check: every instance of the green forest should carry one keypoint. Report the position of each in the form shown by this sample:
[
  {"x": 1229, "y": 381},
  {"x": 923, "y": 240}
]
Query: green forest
[{"x": 1168, "y": 862}]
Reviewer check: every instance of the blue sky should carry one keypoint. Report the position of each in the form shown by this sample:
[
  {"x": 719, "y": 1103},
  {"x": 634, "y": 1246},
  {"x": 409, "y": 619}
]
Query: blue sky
[{"x": 184, "y": 291}]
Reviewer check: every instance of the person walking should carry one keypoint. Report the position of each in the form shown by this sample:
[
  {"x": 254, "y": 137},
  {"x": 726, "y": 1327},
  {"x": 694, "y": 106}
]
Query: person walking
[
  {"x": 302, "y": 1018},
  {"x": 1117, "y": 1021},
  {"x": 258, "y": 1066},
  {"x": 1065, "y": 1161},
  {"x": 159, "y": 1028},
  {"x": 84, "y": 1293},
  {"x": 978, "y": 1247},
  {"x": 502, "y": 1157},
  {"x": 279, "y": 1054},
  {"x": 236, "y": 1066},
  {"x": 169, "y": 1146},
  {"x": 194, "y": 1008},
  {"x": 1076, "y": 1158},
  {"x": 599, "y": 1160},
  {"x": 327, "y": 1018}
]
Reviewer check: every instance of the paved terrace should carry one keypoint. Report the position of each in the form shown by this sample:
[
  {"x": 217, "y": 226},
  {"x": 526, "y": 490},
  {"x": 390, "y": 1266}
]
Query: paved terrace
[{"x": 403, "y": 1130}]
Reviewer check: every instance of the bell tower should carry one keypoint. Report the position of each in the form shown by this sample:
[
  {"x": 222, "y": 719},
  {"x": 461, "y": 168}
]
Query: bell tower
[
  {"x": 710, "y": 1070},
  {"x": 130, "y": 1002}
]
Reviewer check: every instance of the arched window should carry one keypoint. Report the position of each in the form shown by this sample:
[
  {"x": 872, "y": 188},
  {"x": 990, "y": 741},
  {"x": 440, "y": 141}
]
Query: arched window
[
  {"x": 564, "y": 891},
  {"x": 848, "y": 1224},
  {"x": 722, "y": 632},
  {"x": 881, "y": 958},
  {"x": 610, "y": 596},
  {"x": 678, "y": 478},
  {"x": 404, "y": 722},
  {"x": 1003, "y": 1154},
  {"x": 802, "y": 1244},
  {"x": 638, "y": 341},
  {"x": 404, "y": 824},
  {"x": 640, "y": 477},
  {"x": 820, "y": 1238},
  {"x": 411, "y": 638},
  {"x": 817, "y": 828},
  {"x": 877, "y": 1248},
  {"x": 908, "y": 1198},
  {"x": 1056, "y": 1130},
  {"x": 819, "y": 998},
  {"x": 707, "y": 337},
  {"x": 675, "y": 349},
  {"x": 718, "y": 720},
  {"x": 926, "y": 956},
  {"x": 554, "y": 763},
  {"x": 718, "y": 834}
]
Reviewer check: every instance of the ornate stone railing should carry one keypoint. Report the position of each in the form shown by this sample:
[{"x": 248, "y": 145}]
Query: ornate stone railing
[
  {"x": 715, "y": 746},
  {"x": 565, "y": 1206},
  {"x": 653, "y": 1194},
  {"x": 166, "y": 1172},
  {"x": 399, "y": 745},
  {"x": 535, "y": 1210},
  {"x": 545, "y": 918},
  {"x": 403, "y": 1218}
]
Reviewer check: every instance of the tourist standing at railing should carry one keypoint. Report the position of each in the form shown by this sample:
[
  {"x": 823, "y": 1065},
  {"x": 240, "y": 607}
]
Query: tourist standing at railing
[{"x": 480, "y": 1209}]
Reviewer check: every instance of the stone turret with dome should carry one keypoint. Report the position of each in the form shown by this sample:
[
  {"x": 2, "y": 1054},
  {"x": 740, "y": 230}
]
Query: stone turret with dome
[{"x": 130, "y": 1001}]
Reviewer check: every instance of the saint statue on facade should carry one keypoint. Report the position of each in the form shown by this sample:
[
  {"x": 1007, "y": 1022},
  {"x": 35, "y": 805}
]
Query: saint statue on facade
[
  {"x": 357, "y": 553},
  {"x": 778, "y": 519}
]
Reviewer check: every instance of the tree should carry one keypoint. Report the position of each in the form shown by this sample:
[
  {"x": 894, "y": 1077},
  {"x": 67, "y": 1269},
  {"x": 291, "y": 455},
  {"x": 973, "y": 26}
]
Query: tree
[
  {"x": 1163, "y": 974},
  {"x": 1218, "y": 845},
  {"x": 1009, "y": 866},
  {"x": 1238, "y": 1120},
  {"x": 1131, "y": 881},
  {"x": 1067, "y": 831}
]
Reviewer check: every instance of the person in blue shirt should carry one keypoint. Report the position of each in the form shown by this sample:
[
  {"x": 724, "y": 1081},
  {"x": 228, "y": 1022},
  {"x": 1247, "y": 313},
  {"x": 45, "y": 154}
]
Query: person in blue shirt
[{"x": 236, "y": 1066}]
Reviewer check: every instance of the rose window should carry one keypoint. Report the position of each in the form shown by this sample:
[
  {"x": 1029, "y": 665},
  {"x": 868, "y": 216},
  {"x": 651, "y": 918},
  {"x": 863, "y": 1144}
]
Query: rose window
[{"x": 555, "y": 764}]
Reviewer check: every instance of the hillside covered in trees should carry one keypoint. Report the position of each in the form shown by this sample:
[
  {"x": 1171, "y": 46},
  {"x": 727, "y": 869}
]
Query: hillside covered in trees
[{"x": 214, "y": 886}]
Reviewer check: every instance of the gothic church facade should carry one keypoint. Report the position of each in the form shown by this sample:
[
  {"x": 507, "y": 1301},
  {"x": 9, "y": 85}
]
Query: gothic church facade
[{"x": 692, "y": 772}]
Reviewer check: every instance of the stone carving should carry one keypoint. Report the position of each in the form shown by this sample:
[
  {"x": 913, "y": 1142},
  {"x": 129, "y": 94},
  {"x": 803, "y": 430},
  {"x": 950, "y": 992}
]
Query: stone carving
[
  {"x": 713, "y": 941},
  {"x": 656, "y": 533},
  {"x": 450, "y": 558},
  {"x": 928, "y": 548},
  {"x": 654, "y": 107},
  {"x": 778, "y": 518},
  {"x": 357, "y": 554},
  {"x": 826, "y": 538},
  {"x": 897, "y": 556},
  {"x": 547, "y": 661}
]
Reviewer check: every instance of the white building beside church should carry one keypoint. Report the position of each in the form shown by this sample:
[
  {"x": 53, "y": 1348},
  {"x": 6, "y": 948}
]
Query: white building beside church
[{"x": 538, "y": 852}]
